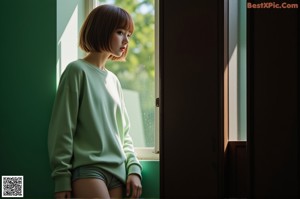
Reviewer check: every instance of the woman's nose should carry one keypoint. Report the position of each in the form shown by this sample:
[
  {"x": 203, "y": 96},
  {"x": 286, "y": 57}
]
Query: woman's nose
[{"x": 125, "y": 40}]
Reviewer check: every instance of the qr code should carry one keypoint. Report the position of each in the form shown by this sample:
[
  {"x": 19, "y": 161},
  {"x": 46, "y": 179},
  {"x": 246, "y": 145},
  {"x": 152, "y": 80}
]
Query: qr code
[{"x": 12, "y": 186}]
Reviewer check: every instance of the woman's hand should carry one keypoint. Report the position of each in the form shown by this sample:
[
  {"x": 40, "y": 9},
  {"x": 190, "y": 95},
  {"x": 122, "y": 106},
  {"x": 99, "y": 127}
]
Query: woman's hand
[
  {"x": 133, "y": 186},
  {"x": 64, "y": 194}
]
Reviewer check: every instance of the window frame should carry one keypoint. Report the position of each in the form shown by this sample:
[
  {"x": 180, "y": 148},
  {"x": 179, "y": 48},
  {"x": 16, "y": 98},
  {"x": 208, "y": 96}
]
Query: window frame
[{"x": 146, "y": 153}]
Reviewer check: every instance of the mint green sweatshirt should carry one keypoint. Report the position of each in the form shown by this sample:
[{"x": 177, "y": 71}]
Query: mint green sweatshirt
[{"x": 89, "y": 125}]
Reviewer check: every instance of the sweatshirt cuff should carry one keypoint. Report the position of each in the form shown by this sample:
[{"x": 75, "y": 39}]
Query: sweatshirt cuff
[
  {"x": 62, "y": 184},
  {"x": 135, "y": 169}
]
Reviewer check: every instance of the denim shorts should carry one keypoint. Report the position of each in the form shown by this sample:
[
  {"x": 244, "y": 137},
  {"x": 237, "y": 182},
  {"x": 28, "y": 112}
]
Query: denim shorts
[{"x": 84, "y": 172}]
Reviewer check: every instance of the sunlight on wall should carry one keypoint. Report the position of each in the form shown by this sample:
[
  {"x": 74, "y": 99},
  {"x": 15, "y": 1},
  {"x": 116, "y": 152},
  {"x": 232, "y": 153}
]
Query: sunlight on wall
[
  {"x": 68, "y": 44},
  {"x": 233, "y": 95},
  {"x": 233, "y": 18}
]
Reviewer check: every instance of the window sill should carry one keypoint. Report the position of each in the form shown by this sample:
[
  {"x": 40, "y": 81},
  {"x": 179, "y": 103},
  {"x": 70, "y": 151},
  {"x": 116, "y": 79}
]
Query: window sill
[{"x": 146, "y": 153}]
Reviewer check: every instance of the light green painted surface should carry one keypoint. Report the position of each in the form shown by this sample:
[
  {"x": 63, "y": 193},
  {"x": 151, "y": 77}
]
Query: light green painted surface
[
  {"x": 65, "y": 10},
  {"x": 70, "y": 17}
]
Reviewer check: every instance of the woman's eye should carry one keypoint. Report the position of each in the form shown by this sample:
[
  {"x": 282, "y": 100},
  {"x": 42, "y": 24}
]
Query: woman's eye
[{"x": 120, "y": 32}]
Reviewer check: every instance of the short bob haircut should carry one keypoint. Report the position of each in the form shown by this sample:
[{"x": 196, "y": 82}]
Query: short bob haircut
[{"x": 96, "y": 31}]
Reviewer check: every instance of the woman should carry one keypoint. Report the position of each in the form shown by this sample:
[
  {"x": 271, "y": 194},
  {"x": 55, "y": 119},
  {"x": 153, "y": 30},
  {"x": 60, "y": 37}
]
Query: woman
[{"x": 90, "y": 148}]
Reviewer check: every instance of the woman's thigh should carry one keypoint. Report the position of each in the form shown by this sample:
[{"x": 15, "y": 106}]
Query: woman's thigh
[
  {"x": 90, "y": 188},
  {"x": 116, "y": 193}
]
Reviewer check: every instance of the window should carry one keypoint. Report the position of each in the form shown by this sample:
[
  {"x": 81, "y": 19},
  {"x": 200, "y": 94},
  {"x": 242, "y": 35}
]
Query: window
[
  {"x": 139, "y": 74},
  {"x": 237, "y": 70}
]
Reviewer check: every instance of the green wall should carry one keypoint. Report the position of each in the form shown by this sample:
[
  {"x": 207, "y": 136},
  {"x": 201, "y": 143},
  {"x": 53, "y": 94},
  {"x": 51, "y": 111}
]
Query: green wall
[
  {"x": 151, "y": 179},
  {"x": 28, "y": 85}
]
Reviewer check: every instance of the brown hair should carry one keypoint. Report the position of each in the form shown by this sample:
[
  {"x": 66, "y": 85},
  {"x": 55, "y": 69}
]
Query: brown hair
[{"x": 96, "y": 31}]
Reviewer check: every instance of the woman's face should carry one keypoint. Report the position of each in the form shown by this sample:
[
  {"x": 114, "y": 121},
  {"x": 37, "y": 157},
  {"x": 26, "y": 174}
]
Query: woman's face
[{"x": 119, "y": 42}]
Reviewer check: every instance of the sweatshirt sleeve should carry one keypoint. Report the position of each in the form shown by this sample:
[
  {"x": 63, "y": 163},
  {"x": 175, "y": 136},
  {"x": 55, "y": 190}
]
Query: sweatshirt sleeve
[
  {"x": 62, "y": 128},
  {"x": 133, "y": 165}
]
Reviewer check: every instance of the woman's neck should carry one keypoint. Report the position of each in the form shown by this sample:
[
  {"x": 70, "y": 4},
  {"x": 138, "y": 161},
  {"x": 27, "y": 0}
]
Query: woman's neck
[{"x": 97, "y": 59}]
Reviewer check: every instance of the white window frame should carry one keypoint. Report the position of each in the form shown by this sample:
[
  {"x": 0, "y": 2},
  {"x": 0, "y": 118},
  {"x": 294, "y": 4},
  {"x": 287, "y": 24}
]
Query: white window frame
[{"x": 147, "y": 153}]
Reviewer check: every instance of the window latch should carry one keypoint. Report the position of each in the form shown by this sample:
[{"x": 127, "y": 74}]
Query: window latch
[{"x": 157, "y": 102}]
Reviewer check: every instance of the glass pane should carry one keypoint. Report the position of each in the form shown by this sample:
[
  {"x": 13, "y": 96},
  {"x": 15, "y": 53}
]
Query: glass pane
[
  {"x": 237, "y": 70},
  {"x": 137, "y": 74}
]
